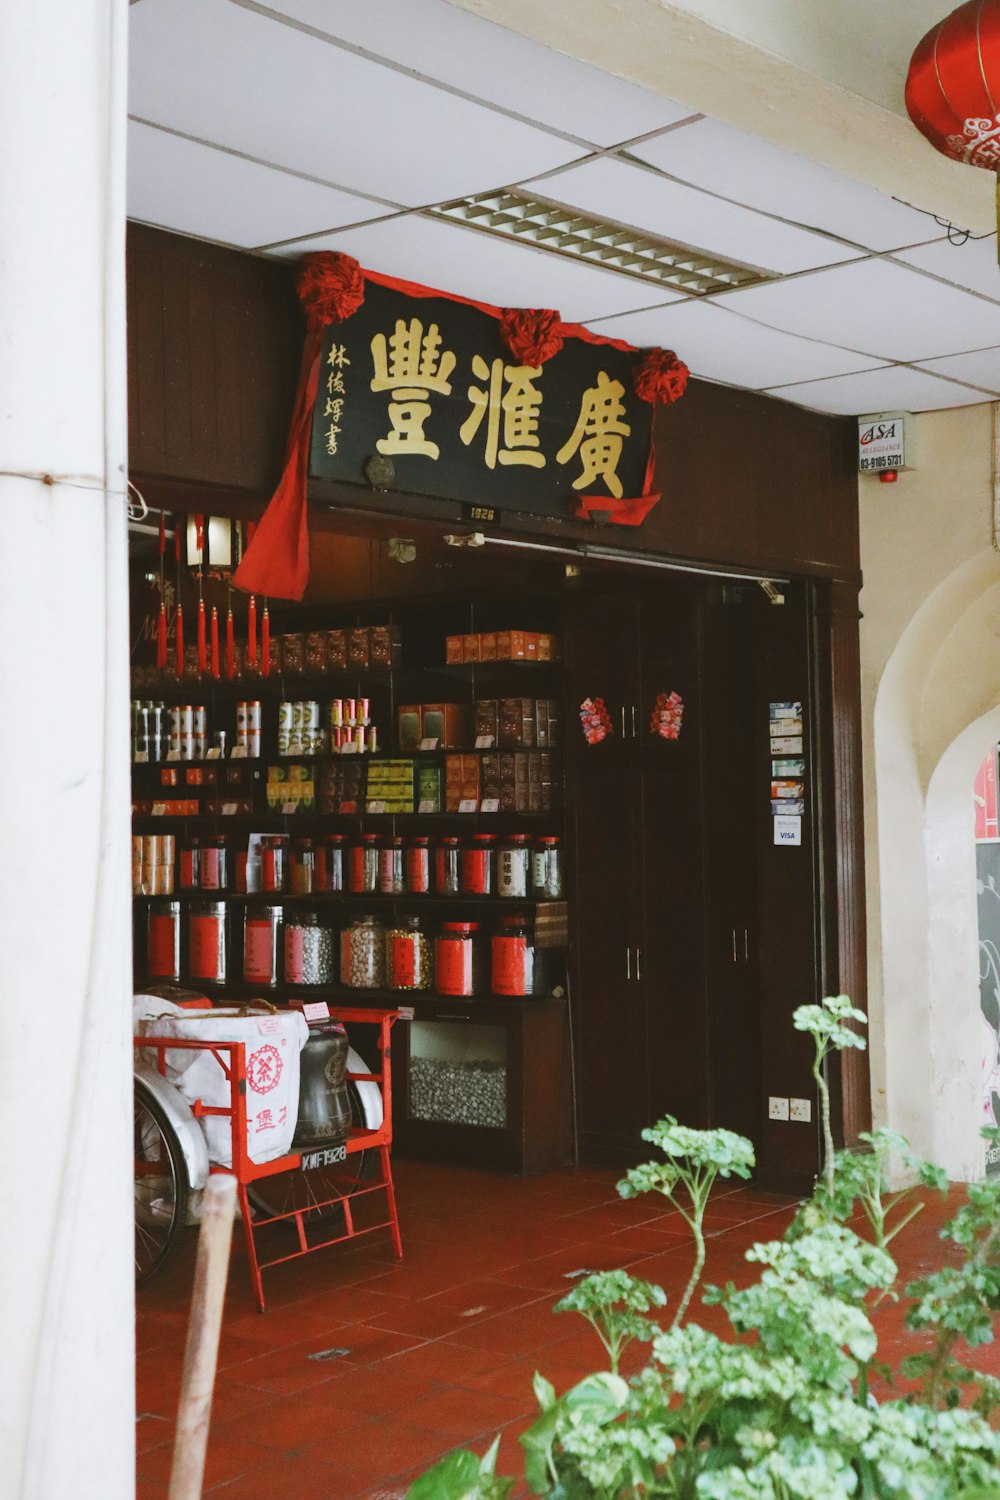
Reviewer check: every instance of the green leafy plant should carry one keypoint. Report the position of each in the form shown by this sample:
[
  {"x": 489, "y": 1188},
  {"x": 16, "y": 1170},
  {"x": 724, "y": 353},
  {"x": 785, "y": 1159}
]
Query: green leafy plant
[{"x": 780, "y": 1409}]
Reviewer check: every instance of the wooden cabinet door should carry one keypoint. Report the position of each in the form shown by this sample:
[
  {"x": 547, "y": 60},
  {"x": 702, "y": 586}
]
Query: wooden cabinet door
[
  {"x": 670, "y": 789},
  {"x": 601, "y": 660}
]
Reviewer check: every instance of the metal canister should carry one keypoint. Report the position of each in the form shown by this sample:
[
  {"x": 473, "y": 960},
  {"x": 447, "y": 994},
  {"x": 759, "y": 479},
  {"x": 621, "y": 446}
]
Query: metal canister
[
  {"x": 478, "y": 866},
  {"x": 284, "y": 715},
  {"x": 189, "y": 866}
]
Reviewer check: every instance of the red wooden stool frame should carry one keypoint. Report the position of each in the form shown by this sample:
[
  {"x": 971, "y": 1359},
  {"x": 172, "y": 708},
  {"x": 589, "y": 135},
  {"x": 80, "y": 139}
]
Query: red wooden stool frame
[{"x": 231, "y": 1057}]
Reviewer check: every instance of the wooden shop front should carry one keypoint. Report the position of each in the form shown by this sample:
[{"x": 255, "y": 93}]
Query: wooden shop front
[{"x": 707, "y": 653}]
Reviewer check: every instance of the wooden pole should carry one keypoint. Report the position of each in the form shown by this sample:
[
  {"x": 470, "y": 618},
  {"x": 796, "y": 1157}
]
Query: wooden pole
[{"x": 211, "y": 1270}]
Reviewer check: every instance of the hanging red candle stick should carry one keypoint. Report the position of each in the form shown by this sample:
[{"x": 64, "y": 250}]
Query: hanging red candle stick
[
  {"x": 199, "y": 522},
  {"x": 215, "y": 642},
  {"x": 161, "y": 627},
  {"x": 265, "y": 643},
  {"x": 252, "y": 631},
  {"x": 230, "y": 644},
  {"x": 179, "y": 631}
]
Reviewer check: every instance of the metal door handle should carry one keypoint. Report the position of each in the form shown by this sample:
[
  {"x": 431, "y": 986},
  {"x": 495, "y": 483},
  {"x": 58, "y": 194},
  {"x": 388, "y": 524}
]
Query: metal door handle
[
  {"x": 638, "y": 963},
  {"x": 735, "y": 958},
  {"x": 746, "y": 945},
  {"x": 633, "y": 721},
  {"x": 628, "y": 963}
]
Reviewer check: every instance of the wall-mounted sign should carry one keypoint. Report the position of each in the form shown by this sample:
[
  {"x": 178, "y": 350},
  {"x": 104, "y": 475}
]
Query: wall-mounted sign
[
  {"x": 427, "y": 383},
  {"x": 881, "y": 444}
]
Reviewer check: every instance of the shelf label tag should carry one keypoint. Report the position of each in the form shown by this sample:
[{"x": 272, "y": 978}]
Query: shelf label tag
[
  {"x": 158, "y": 810},
  {"x": 239, "y": 752},
  {"x": 214, "y": 753},
  {"x": 173, "y": 755},
  {"x": 289, "y": 808},
  {"x": 490, "y": 804},
  {"x": 468, "y": 805},
  {"x": 141, "y": 758},
  {"x": 427, "y": 805},
  {"x": 406, "y": 1012},
  {"x": 378, "y": 806},
  {"x": 349, "y": 748},
  {"x": 229, "y": 809},
  {"x": 316, "y": 1010},
  {"x": 348, "y": 807},
  {"x": 430, "y": 742},
  {"x": 484, "y": 742}
]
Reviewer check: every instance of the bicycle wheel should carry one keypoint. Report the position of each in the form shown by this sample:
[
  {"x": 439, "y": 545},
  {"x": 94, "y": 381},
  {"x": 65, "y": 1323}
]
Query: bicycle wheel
[
  {"x": 286, "y": 1191},
  {"x": 161, "y": 1189}
]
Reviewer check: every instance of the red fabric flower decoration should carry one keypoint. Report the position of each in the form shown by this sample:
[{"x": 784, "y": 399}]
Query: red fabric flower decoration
[
  {"x": 667, "y": 716},
  {"x": 532, "y": 334},
  {"x": 331, "y": 286},
  {"x": 660, "y": 376},
  {"x": 595, "y": 720}
]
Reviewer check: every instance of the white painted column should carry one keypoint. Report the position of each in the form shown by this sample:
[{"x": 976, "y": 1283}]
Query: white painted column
[{"x": 66, "y": 1322}]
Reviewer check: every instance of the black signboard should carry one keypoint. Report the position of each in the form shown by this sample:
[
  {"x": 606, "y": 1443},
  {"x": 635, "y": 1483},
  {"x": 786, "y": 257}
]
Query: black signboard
[{"x": 427, "y": 383}]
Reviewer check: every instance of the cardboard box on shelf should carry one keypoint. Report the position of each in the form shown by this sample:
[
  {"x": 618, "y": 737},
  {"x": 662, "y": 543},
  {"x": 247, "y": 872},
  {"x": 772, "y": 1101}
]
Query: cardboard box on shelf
[
  {"x": 336, "y": 650},
  {"x": 358, "y": 648},
  {"x": 471, "y": 648},
  {"x": 453, "y": 650}
]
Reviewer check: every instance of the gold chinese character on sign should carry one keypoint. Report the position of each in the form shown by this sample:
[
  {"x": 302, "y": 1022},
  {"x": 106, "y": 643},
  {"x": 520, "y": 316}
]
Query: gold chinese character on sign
[
  {"x": 337, "y": 356},
  {"x": 332, "y": 433},
  {"x": 598, "y": 434},
  {"x": 517, "y": 408},
  {"x": 411, "y": 365}
]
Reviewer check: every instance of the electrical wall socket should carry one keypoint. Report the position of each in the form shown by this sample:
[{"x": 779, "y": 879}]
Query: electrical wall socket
[
  {"x": 777, "y": 1109},
  {"x": 800, "y": 1109}
]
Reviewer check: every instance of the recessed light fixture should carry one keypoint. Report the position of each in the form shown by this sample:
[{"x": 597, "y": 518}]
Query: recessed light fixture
[{"x": 601, "y": 242}]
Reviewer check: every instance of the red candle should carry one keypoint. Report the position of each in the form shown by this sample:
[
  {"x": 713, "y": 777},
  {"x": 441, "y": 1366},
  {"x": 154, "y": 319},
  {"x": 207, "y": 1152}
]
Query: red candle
[
  {"x": 252, "y": 631},
  {"x": 180, "y": 641},
  {"x": 215, "y": 643},
  {"x": 161, "y": 637},
  {"x": 265, "y": 644},
  {"x": 230, "y": 647},
  {"x": 202, "y": 642}
]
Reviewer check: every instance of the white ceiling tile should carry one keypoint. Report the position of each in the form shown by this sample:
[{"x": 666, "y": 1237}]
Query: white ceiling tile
[
  {"x": 752, "y": 171},
  {"x": 636, "y": 196},
  {"x": 722, "y": 346},
  {"x": 893, "y": 388},
  {"x": 981, "y": 367},
  {"x": 181, "y": 185},
  {"x": 472, "y": 264},
  {"x": 478, "y": 57},
  {"x": 233, "y": 77},
  {"x": 973, "y": 264},
  {"x": 876, "y": 307}
]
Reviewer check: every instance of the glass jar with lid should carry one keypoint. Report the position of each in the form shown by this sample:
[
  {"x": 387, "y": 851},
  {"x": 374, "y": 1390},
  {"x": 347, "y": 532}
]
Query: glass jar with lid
[
  {"x": 512, "y": 967},
  {"x": 514, "y": 867},
  {"x": 391, "y": 878},
  {"x": 362, "y": 954},
  {"x": 331, "y": 864},
  {"x": 208, "y": 945},
  {"x": 272, "y": 862},
  {"x": 418, "y": 866},
  {"x": 310, "y": 949},
  {"x": 479, "y": 866},
  {"x": 408, "y": 960},
  {"x": 304, "y": 867},
  {"x": 448, "y": 866},
  {"x": 214, "y": 865},
  {"x": 189, "y": 863},
  {"x": 546, "y": 869},
  {"x": 262, "y": 944},
  {"x": 163, "y": 940},
  {"x": 362, "y": 864},
  {"x": 458, "y": 960}
]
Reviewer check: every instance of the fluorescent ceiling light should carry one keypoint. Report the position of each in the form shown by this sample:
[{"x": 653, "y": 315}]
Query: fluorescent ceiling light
[{"x": 601, "y": 242}]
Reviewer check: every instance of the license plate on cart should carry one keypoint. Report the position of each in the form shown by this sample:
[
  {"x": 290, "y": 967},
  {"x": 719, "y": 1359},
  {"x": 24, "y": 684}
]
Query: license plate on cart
[{"x": 327, "y": 1157}]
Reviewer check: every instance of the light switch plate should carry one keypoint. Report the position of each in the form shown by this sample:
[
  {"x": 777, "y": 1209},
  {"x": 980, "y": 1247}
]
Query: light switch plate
[{"x": 800, "y": 1109}]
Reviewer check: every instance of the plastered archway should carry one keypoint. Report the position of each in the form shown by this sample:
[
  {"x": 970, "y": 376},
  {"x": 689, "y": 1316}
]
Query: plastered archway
[{"x": 937, "y": 708}]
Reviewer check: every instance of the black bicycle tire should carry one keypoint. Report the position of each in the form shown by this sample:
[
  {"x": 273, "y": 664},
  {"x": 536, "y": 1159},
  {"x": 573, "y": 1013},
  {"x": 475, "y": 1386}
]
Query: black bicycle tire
[{"x": 146, "y": 1099}]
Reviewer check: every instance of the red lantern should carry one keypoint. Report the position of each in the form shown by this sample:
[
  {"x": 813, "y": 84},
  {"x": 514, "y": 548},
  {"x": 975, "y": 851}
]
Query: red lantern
[{"x": 953, "y": 86}]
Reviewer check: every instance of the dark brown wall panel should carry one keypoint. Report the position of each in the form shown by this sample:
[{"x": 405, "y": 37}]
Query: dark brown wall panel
[{"x": 214, "y": 337}]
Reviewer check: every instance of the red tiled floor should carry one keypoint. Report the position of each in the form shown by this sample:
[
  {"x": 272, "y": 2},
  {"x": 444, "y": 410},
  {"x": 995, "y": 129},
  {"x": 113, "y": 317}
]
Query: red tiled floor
[{"x": 440, "y": 1349}]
